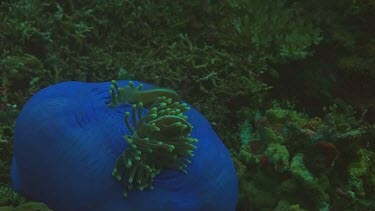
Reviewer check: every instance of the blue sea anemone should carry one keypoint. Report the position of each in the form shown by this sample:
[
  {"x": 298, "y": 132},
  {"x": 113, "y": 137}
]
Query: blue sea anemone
[{"x": 79, "y": 146}]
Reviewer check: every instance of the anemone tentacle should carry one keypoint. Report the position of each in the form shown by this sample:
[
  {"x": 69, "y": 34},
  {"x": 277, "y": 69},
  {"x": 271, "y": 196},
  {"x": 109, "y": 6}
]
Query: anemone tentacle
[{"x": 159, "y": 140}]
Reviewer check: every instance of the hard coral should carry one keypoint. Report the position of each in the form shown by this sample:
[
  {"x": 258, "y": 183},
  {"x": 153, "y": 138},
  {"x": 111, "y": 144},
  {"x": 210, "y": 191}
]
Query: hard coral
[{"x": 69, "y": 141}]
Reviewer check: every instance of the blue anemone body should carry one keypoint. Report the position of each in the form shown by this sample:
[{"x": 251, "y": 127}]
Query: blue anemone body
[{"x": 66, "y": 143}]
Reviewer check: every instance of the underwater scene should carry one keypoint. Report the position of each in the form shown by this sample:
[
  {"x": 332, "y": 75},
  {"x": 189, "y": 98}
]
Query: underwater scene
[{"x": 246, "y": 105}]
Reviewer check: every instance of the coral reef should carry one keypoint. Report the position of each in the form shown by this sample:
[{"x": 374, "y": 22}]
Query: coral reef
[
  {"x": 232, "y": 60},
  {"x": 327, "y": 161}
]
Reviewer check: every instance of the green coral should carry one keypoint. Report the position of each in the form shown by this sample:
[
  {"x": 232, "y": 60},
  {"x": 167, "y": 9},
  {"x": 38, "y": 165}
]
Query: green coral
[
  {"x": 325, "y": 160},
  {"x": 278, "y": 115},
  {"x": 9, "y": 197},
  {"x": 29, "y": 206},
  {"x": 358, "y": 168},
  {"x": 283, "y": 205},
  {"x": 275, "y": 28},
  {"x": 300, "y": 171},
  {"x": 268, "y": 135},
  {"x": 159, "y": 140},
  {"x": 361, "y": 165},
  {"x": 7, "y": 116},
  {"x": 278, "y": 155},
  {"x": 248, "y": 158},
  {"x": 11, "y": 201}
]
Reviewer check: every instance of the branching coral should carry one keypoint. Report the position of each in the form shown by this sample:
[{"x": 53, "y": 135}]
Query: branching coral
[{"x": 327, "y": 161}]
